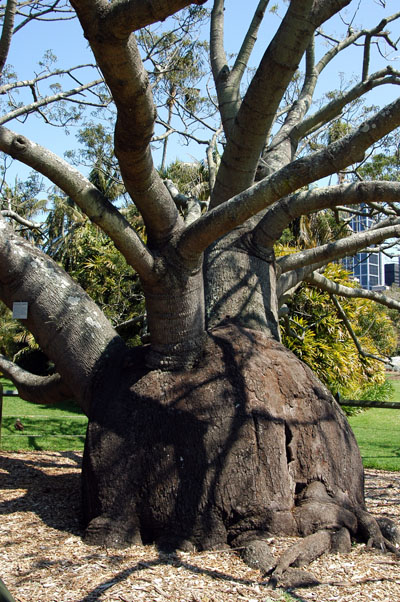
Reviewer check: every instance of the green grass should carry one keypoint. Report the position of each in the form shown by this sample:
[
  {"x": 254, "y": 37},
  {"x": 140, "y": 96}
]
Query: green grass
[
  {"x": 58, "y": 427},
  {"x": 377, "y": 431},
  {"x": 396, "y": 386}
]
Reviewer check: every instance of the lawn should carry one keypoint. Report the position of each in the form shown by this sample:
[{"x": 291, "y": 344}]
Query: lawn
[
  {"x": 377, "y": 431},
  {"x": 58, "y": 427}
]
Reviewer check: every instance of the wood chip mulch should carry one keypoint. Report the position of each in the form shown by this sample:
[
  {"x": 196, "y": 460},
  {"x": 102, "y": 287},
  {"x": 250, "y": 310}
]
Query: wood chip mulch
[{"x": 43, "y": 559}]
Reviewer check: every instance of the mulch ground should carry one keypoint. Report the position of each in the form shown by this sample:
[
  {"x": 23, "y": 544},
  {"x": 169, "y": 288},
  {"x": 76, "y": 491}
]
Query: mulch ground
[{"x": 43, "y": 559}]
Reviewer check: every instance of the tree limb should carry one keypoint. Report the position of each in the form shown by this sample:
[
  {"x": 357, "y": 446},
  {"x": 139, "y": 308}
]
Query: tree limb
[
  {"x": 334, "y": 108},
  {"x": 351, "y": 39},
  {"x": 218, "y": 57},
  {"x": 227, "y": 82},
  {"x": 264, "y": 94},
  {"x": 336, "y": 250},
  {"x": 353, "y": 335},
  {"x": 335, "y": 288},
  {"x": 7, "y": 31},
  {"x": 48, "y": 9},
  {"x": 119, "y": 60},
  {"x": 125, "y": 16},
  {"x": 293, "y": 176},
  {"x": 21, "y": 220},
  {"x": 67, "y": 324},
  {"x": 261, "y": 101},
  {"x": 288, "y": 283},
  {"x": 250, "y": 39},
  {"x": 43, "y": 76},
  {"x": 86, "y": 196},
  {"x": 47, "y": 100},
  {"x": 284, "y": 144},
  {"x": 279, "y": 216},
  {"x": 37, "y": 389}
]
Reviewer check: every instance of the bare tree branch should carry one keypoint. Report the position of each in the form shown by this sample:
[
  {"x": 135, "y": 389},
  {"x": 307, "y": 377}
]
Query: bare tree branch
[
  {"x": 334, "y": 108},
  {"x": 250, "y": 39},
  {"x": 37, "y": 389},
  {"x": 279, "y": 216},
  {"x": 43, "y": 76},
  {"x": 119, "y": 59},
  {"x": 351, "y": 39},
  {"x": 227, "y": 82},
  {"x": 52, "y": 9},
  {"x": 353, "y": 335},
  {"x": 332, "y": 159},
  {"x": 335, "y": 288},
  {"x": 85, "y": 194},
  {"x": 257, "y": 110},
  {"x": 21, "y": 220},
  {"x": 336, "y": 250},
  {"x": 7, "y": 31},
  {"x": 47, "y": 100}
]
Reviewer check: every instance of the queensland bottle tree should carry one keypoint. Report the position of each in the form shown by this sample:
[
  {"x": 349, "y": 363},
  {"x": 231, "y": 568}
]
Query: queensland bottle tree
[{"x": 213, "y": 433}]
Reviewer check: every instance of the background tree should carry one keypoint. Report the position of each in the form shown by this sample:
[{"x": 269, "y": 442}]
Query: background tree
[{"x": 214, "y": 433}]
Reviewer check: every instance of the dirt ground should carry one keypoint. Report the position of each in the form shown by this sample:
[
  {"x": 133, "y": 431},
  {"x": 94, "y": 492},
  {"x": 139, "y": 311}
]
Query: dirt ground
[{"x": 43, "y": 559}]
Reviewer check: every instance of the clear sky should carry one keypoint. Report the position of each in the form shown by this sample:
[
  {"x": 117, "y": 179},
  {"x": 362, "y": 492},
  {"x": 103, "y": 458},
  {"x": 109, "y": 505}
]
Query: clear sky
[{"x": 66, "y": 41}]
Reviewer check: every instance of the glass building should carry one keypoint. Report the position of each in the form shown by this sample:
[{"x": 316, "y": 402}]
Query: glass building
[
  {"x": 366, "y": 267},
  {"x": 392, "y": 274}
]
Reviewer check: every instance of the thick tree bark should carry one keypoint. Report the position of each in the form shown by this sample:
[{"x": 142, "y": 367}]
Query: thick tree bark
[{"x": 201, "y": 458}]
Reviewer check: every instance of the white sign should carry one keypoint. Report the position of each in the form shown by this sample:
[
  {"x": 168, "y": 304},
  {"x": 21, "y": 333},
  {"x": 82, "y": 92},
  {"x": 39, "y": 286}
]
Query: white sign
[{"x": 20, "y": 310}]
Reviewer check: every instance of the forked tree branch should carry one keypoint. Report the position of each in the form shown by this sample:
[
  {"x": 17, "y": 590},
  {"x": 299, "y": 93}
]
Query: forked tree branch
[
  {"x": 334, "y": 108},
  {"x": 47, "y": 10},
  {"x": 258, "y": 109},
  {"x": 338, "y": 155},
  {"x": 47, "y": 100},
  {"x": 261, "y": 101},
  {"x": 28, "y": 83},
  {"x": 227, "y": 82},
  {"x": 351, "y": 39}
]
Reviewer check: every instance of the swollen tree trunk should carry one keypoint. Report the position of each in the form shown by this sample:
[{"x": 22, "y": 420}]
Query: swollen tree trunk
[
  {"x": 206, "y": 457},
  {"x": 243, "y": 443}
]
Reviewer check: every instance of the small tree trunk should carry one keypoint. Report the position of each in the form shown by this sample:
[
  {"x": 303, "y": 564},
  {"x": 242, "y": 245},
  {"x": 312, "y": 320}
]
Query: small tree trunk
[
  {"x": 175, "y": 315},
  {"x": 241, "y": 285}
]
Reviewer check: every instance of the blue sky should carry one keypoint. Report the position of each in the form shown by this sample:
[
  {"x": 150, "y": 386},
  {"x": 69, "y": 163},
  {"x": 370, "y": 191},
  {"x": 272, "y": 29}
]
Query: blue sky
[{"x": 67, "y": 42}]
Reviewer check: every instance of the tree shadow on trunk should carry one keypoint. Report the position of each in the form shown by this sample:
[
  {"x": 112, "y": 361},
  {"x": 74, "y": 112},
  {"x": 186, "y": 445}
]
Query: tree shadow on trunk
[{"x": 197, "y": 458}]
